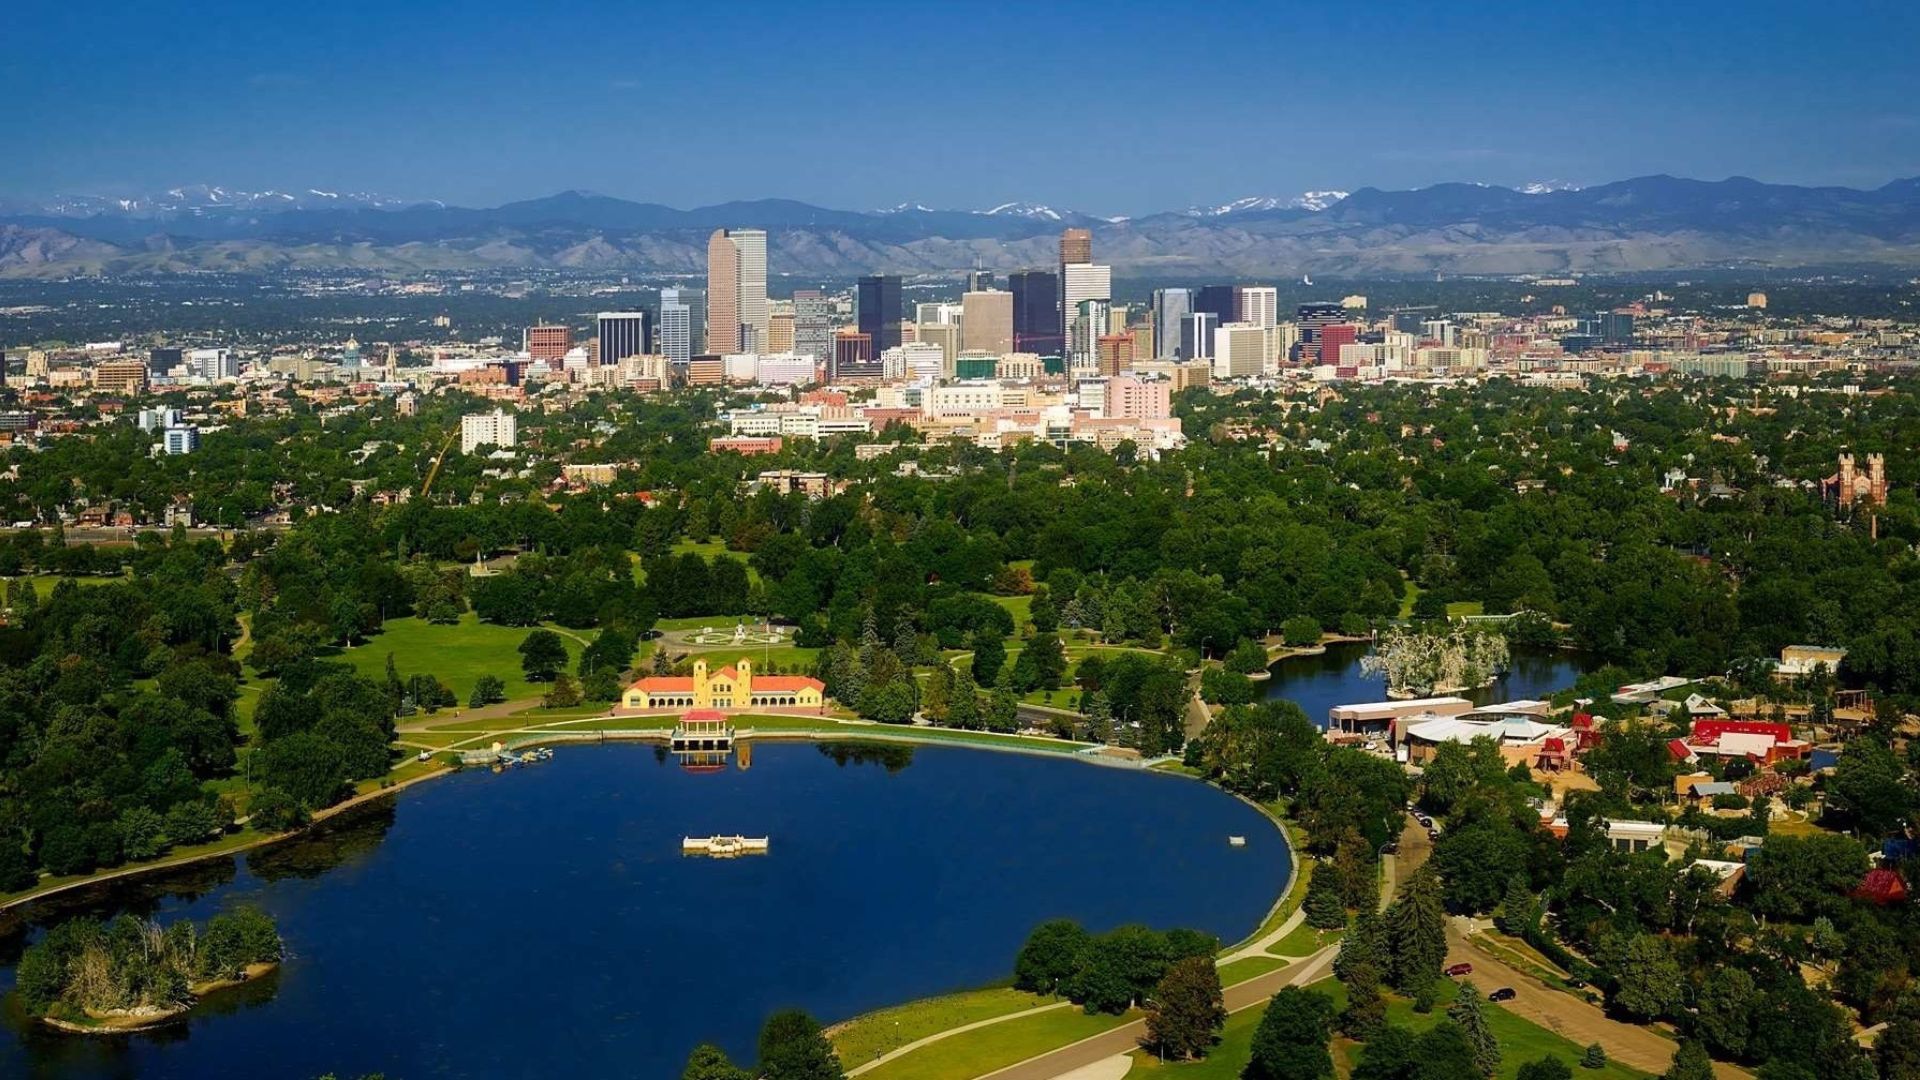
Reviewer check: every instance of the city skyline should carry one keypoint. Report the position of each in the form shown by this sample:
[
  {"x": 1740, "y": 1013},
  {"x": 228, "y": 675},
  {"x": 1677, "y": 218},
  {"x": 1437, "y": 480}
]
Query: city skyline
[{"x": 1784, "y": 93}]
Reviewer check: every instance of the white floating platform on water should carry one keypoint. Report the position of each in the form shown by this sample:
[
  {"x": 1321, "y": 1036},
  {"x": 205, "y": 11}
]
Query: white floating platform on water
[
  {"x": 723, "y": 846},
  {"x": 1236, "y": 841}
]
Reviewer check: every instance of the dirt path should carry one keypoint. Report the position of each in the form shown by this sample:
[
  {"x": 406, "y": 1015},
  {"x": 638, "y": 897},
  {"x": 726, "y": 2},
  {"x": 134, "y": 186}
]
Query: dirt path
[{"x": 1566, "y": 1015}]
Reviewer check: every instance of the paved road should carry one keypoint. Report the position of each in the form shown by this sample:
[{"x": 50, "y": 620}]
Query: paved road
[
  {"x": 1250, "y": 994},
  {"x": 1561, "y": 1012}
]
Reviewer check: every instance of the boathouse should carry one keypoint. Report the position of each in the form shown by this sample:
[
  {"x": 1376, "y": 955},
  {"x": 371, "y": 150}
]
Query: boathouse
[{"x": 703, "y": 729}]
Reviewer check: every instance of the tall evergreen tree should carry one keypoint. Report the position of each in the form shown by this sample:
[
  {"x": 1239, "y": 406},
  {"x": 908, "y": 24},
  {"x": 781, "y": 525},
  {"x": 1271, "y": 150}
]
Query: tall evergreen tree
[
  {"x": 1417, "y": 932},
  {"x": 1469, "y": 1011}
]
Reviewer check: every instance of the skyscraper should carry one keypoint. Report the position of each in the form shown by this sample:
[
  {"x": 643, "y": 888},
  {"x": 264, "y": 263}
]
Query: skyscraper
[
  {"x": 1083, "y": 338},
  {"x": 853, "y": 357},
  {"x": 1257, "y": 304},
  {"x": 1311, "y": 318},
  {"x": 1081, "y": 282},
  {"x": 1196, "y": 335},
  {"x": 624, "y": 334},
  {"x": 1036, "y": 311},
  {"x": 1170, "y": 308},
  {"x": 979, "y": 281},
  {"x": 676, "y": 327},
  {"x": 812, "y": 324},
  {"x": 877, "y": 310},
  {"x": 547, "y": 343},
  {"x": 737, "y": 291},
  {"x": 987, "y": 322},
  {"x": 1076, "y": 246},
  {"x": 1219, "y": 301}
]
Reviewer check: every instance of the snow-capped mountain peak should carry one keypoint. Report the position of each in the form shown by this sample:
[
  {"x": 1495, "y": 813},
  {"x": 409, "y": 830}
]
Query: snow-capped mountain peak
[
  {"x": 1307, "y": 200},
  {"x": 1025, "y": 210},
  {"x": 1544, "y": 187},
  {"x": 199, "y": 198}
]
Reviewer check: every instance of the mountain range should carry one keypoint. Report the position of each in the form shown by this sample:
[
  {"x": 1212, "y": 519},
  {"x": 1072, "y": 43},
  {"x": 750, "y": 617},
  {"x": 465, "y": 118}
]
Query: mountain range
[{"x": 1647, "y": 223}]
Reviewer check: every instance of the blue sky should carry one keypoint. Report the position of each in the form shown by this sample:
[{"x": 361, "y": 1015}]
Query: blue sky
[{"x": 1115, "y": 108}]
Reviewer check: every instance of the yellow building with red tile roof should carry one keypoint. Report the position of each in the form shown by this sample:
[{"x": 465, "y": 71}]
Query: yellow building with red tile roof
[{"x": 731, "y": 689}]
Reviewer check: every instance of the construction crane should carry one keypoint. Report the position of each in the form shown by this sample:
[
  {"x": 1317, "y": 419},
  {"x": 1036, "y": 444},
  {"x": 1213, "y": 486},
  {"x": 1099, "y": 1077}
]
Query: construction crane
[{"x": 434, "y": 469}]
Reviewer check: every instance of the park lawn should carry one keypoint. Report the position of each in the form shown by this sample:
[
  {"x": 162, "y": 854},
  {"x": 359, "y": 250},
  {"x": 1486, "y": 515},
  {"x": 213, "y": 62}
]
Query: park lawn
[
  {"x": 976, "y": 1053},
  {"x": 1304, "y": 941},
  {"x": 43, "y": 583},
  {"x": 1239, "y": 971},
  {"x": 695, "y": 622},
  {"x": 867, "y": 1037},
  {"x": 1409, "y": 598},
  {"x": 1225, "y": 1062},
  {"x": 457, "y": 655},
  {"x": 1067, "y": 697},
  {"x": 790, "y": 658},
  {"x": 1020, "y": 607},
  {"x": 1462, "y": 608},
  {"x": 1521, "y": 1041},
  {"x": 707, "y": 549}
]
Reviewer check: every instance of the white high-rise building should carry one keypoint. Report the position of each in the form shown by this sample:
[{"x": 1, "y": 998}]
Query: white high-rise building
[
  {"x": 1084, "y": 333},
  {"x": 213, "y": 365},
  {"x": 499, "y": 427},
  {"x": 1240, "y": 350},
  {"x": 1258, "y": 304},
  {"x": 1081, "y": 282},
  {"x": 184, "y": 439},
  {"x": 676, "y": 326}
]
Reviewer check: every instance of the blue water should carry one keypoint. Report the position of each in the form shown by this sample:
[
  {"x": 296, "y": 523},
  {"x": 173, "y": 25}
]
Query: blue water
[
  {"x": 1318, "y": 683},
  {"x": 542, "y": 922}
]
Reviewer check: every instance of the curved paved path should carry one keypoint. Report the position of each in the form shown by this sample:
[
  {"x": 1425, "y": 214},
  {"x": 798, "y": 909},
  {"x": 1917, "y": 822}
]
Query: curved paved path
[{"x": 1099, "y": 1048}]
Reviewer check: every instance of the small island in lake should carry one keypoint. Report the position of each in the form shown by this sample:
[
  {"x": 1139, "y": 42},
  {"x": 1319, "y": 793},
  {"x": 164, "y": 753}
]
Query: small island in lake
[
  {"x": 1422, "y": 661},
  {"x": 130, "y": 974}
]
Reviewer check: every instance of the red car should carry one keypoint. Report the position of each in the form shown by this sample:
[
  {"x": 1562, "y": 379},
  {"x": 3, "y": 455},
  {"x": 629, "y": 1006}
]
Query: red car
[{"x": 1458, "y": 970}]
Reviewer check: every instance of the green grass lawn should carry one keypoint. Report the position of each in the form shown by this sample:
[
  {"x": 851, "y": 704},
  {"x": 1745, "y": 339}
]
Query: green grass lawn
[
  {"x": 1460, "y": 608},
  {"x": 706, "y": 549},
  {"x": 458, "y": 655},
  {"x": 976, "y": 1053},
  {"x": 864, "y": 1038},
  {"x": 1304, "y": 940},
  {"x": 43, "y": 583},
  {"x": 1409, "y": 598},
  {"x": 1240, "y": 971},
  {"x": 1020, "y": 607}
]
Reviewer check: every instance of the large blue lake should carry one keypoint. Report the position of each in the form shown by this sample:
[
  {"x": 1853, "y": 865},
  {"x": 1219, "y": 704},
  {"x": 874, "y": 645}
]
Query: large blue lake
[
  {"x": 1318, "y": 683},
  {"x": 542, "y": 922}
]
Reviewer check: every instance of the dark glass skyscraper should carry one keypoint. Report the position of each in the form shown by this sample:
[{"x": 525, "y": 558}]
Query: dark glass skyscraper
[
  {"x": 1218, "y": 300},
  {"x": 1036, "y": 312},
  {"x": 878, "y": 311}
]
